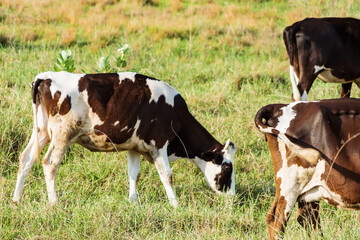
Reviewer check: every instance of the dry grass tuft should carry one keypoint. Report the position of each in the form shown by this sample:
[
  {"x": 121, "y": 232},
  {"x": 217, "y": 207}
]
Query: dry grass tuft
[
  {"x": 68, "y": 37},
  {"x": 176, "y": 6}
]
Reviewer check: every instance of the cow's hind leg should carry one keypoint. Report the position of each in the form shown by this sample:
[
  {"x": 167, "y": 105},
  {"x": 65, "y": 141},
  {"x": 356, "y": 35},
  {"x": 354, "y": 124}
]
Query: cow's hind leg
[
  {"x": 26, "y": 161},
  {"x": 50, "y": 164},
  {"x": 345, "y": 90},
  {"x": 163, "y": 167},
  {"x": 134, "y": 159},
  {"x": 308, "y": 215}
]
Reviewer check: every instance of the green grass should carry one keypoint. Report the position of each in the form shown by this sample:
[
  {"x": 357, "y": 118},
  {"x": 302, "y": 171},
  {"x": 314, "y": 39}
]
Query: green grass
[{"x": 227, "y": 59}]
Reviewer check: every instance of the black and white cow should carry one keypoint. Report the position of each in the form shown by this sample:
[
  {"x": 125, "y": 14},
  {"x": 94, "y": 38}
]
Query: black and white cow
[
  {"x": 116, "y": 112},
  {"x": 315, "y": 152},
  {"x": 327, "y": 48}
]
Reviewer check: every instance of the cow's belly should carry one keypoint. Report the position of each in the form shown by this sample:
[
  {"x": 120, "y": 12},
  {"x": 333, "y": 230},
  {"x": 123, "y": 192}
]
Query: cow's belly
[
  {"x": 101, "y": 143},
  {"x": 326, "y": 76},
  {"x": 318, "y": 193},
  {"x": 317, "y": 189}
]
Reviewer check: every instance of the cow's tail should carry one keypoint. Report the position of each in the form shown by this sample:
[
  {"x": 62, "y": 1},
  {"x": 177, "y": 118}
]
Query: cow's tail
[
  {"x": 289, "y": 36},
  {"x": 35, "y": 134}
]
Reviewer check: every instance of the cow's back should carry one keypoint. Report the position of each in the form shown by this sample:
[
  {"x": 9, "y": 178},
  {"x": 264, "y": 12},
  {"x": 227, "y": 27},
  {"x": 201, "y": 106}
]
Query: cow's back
[{"x": 113, "y": 111}]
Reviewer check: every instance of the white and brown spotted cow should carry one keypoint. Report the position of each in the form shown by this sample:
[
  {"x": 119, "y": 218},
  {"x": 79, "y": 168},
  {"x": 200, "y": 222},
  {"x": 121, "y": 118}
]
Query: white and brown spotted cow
[
  {"x": 327, "y": 48},
  {"x": 116, "y": 112},
  {"x": 315, "y": 153}
]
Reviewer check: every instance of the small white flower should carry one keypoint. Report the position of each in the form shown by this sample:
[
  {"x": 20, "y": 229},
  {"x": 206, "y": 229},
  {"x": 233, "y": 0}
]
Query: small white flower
[
  {"x": 101, "y": 63},
  {"x": 66, "y": 54},
  {"x": 123, "y": 48}
]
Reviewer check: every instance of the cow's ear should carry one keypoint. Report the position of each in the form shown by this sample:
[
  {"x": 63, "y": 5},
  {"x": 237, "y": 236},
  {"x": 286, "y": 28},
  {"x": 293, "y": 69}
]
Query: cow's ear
[{"x": 214, "y": 157}]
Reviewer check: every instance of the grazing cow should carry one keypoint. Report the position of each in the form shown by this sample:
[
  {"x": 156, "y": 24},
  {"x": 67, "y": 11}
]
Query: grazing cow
[
  {"x": 327, "y": 48},
  {"x": 315, "y": 152},
  {"x": 116, "y": 112}
]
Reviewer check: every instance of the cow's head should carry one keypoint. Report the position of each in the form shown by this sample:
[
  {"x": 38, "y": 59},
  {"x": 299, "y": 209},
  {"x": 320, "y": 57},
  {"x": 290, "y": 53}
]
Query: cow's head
[{"x": 219, "y": 169}]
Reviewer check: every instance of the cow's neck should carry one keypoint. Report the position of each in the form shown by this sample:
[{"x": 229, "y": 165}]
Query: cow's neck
[{"x": 192, "y": 140}]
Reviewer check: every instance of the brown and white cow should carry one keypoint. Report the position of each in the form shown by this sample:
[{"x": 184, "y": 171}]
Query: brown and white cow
[
  {"x": 315, "y": 152},
  {"x": 327, "y": 48},
  {"x": 116, "y": 112}
]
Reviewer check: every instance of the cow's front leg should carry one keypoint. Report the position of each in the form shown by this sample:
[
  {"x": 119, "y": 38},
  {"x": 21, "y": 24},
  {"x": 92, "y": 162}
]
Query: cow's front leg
[
  {"x": 308, "y": 215},
  {"x": 163, "y": 167},
  {"x": 278, "y": 216},
  {"x": 50, "y": 164},
  {"x": 134, "y": 159}
]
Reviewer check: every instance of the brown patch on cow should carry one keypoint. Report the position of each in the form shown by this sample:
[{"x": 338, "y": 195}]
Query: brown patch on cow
[
  {"x": 331, "y": 201},
  {"x": 171, "y": 179},
  {"x": 137, "y": 178},
  {"x": 46, "y": 99},
  {"x": 213, "y": 156},
  {"x": 100, "y": 88},
  {"x": 223, "y": 179},
  {"x": 126, "y": 102},
  {"x": 65, "y": 106},
  {"x": 275, "y": 154}
]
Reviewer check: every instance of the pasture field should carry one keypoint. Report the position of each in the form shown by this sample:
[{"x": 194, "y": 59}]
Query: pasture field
[{"x": 226, "y": 58}]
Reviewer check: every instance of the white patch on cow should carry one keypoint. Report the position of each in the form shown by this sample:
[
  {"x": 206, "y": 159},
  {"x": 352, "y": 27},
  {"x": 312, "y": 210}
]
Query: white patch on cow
[
  {"x": 317, "y": 189},
  {"x": 137, "y": 124},
  {"x": 286, "y": 117},
  {"x": 209, "y": 170},
  {"x": 66, "y": 83},
  {"x": 127, "y": 75},
  {"x": 159, "y": 88},
  {"x": 124, "y": 128},
  {"x": 293, "y": 179},
  {"x": 294, "y": 82},
  {"x": 312, "y": 192},
  {"x": 116, "y": 123},
  {"x": 318, "y": 68}
]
